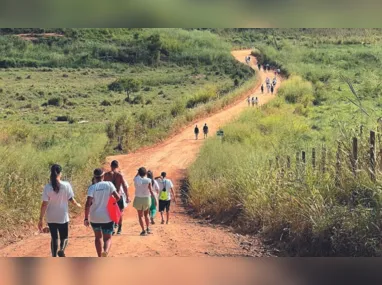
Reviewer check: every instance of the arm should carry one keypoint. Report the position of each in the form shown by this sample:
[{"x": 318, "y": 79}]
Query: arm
[
  {"x": 173, "y": 194},
  {"x": 44, "y": 206},
  {"x": 151, "y": 190},
  {"x": 125, "y": 189},
  {"x": 74, "y": 202},
  {"x": 116, "y": 195},
  {"x": 89, "y": 201}
]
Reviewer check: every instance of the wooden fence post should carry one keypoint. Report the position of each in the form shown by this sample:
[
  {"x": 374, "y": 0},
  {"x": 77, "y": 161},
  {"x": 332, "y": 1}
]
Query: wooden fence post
[
  {"x": 338, "y": 165},
  {"x": 314, "y": 158},
  {"x": 354, "y": 157},
  {"x": 297, "y": 164},
  {"x": 372, "y": 156},
  {"x": 361, "y": 131},
  {"x": 303, "y": 157},
  {"x": 323, "y": 159}
]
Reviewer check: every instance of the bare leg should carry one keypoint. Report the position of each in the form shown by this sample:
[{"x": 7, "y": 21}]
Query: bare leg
[
  {"x": 98, "y": 242},
  {"x": 167, "y": 216},
  {"x": 140, "y": 217},
  {"x": 147, "y": 219},
  {"x": 106, "y": 242},
  {"x": 161, "y": 214}
]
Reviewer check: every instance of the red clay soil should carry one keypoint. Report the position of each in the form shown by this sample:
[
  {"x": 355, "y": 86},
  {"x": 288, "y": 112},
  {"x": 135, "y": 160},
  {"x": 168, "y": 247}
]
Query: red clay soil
[
  {"x": 184, "y": 236},
  {"x": 33, "y": 37}
]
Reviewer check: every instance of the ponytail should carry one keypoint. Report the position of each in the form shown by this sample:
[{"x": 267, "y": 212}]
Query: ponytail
[{"x": 55, "y": 171}]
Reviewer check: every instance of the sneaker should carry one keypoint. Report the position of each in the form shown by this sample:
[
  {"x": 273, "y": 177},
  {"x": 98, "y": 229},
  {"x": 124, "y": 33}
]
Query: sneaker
[
  {"x": 162, "y": 222},
  {"x": 119, "y": 232},
  {"x": 104, "y": 254},
  {"x": 143, "y": 233},
  {"x": 167, "y": 223},
  {"x": 61, "y": 253},
  {"x": 148, "y": 231},
  {"x": 152, "y": 221}
]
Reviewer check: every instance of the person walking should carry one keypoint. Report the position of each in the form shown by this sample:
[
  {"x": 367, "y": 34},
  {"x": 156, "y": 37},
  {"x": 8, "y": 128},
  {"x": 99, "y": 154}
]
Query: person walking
[
  {"x": 274, "y": 81},
  {"x": 268, "y": 87},
  {"x": 272, "y": 89},
  {"x": 253, "y": 101},
  {"x": 205, "y": 130},
  {"x": 97, "y": 207},
  {"x": 249, "y": 101},
  {"x": 259, "y": 66},
  {"x": 115, "y": 176},
  {"x": 196, "y": 132},
  {"x": 257, "y": 101},
  {"x": 55, "y": 199},
  {"x": 142, "y": 199},
  {"x": 267, "y": 80},
  {"x": 154, "y": 198},
  {"x": 262, "y": 88},
  {"x": 166, "y": 194}
]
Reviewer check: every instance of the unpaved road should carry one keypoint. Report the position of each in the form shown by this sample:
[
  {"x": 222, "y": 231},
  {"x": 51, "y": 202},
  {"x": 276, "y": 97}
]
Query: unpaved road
[{"x": 184, "y": 236}]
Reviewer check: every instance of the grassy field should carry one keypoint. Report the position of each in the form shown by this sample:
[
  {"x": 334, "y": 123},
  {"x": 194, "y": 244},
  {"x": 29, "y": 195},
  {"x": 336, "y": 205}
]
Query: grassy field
[
  {"x": 61, "y": 101},
  {"x": 310, "y": 214}
]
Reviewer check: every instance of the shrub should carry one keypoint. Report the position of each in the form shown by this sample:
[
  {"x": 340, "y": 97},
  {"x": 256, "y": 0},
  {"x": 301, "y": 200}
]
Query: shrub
[
  {"x": 203, "y": 96},
  {"x": 296, "y": 90},
  {"x": 106, "y": 103},
  {"x": 55, "y": 101},
  {"x": 138, "y": 100},
  {"x": 177, "y": 108}
]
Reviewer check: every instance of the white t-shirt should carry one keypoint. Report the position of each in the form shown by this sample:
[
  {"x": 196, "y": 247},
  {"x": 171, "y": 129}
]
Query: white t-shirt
[
  {"x": 142, "y": 186},
  {"x": 58, "y": 209},
  {"x": 165, "y": 183},
  {"x": 100, "y": 192}
]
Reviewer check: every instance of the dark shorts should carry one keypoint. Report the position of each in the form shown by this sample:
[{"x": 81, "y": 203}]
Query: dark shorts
[
  {"x": 121, "y": 204},
  {"x": 164, "y": 205},
  {"x": 106, "y": 228}
]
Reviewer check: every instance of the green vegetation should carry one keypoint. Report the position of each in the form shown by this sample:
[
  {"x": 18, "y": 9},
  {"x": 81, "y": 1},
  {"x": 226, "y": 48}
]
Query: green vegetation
[
  {"x": 74, "y": 95},
  {"x": 304, "y": 212}
]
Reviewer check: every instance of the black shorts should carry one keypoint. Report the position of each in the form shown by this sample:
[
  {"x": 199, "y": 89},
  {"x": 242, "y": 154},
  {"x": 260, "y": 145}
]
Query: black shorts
[
  {"x": 106, "y": 228},
  {"x": 121, "y": 204},
  {"x": 164, "y": 205}
]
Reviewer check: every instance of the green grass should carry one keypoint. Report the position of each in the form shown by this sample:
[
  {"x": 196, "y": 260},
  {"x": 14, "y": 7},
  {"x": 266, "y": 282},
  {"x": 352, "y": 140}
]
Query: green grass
[
  {"x": 302, "y": 214},
  {"x": 56, "y": 105}
]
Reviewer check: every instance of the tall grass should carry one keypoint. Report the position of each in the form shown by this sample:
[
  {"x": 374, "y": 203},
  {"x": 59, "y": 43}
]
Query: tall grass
[{"x": 27, "y": 155}]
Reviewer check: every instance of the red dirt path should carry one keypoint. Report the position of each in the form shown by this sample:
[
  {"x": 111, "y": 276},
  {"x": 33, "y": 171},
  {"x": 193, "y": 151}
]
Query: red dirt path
[{"x": 184, "y": 236}]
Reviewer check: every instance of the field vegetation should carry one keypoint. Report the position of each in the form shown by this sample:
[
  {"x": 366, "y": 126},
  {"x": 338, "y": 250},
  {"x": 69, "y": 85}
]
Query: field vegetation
[
  {"x": 71, "y": 96},
  {"x": 333, "y": 88}
]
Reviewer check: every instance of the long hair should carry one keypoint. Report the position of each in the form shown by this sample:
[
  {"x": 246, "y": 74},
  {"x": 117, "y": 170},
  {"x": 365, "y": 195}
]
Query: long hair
[
  {"x": 150, "y": 175},
  {"x": 55, "y": 171}
]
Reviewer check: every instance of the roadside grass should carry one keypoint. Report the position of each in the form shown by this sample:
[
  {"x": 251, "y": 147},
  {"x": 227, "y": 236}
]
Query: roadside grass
[{"x": 302, "y": 214}]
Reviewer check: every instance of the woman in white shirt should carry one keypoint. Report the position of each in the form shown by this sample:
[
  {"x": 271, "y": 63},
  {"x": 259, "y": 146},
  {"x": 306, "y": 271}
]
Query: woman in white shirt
[
  {"x": 154, "y": 198},
  {"x": 55, "y": 200},
  {"x": 142, "y": 199}
]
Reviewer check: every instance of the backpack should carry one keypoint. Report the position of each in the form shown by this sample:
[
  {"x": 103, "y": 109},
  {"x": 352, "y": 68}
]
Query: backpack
[{"x": 164, "y": 193}]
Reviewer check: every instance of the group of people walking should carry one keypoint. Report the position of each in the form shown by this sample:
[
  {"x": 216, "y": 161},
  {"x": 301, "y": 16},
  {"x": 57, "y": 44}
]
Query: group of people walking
[
  {"x": 151, "y": 194},
  {"x": 270, "y": 86},
  {"x": 254, "y": 100},
  {"x": 205, "y": 131}
]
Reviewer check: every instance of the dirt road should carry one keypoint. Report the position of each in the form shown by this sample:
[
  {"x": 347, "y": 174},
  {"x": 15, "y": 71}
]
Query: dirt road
[{"x": 184, "y": 236}]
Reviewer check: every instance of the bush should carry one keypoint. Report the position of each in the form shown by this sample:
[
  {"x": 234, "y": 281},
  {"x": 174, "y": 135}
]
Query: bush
[
  {"x": 296, "y": 90},
  {"x": 177, "y": 108},
  {"x": 55, "y": 101},
  {"x": 203, "y": 96},
  {"x": 138, "y": 100},
  {"x": 106, "y": 103}
]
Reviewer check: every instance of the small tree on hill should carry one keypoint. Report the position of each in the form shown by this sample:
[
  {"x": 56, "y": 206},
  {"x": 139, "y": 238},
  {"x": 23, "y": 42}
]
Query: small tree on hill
[{"x": 129, "y": 85}]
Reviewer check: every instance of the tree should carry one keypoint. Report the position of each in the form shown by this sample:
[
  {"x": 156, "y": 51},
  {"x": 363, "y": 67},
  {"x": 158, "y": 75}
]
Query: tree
[
  {"x": 154, "y": 46},
  {"x": 129, "y": 85}
]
